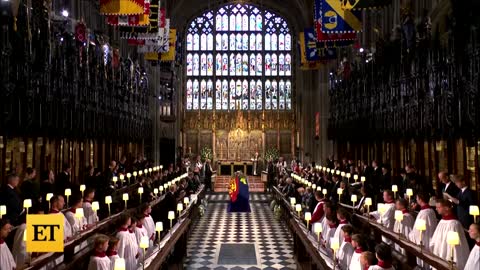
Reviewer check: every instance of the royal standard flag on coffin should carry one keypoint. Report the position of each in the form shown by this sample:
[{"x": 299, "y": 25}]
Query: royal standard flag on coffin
[{"x": 334, "y": 19}]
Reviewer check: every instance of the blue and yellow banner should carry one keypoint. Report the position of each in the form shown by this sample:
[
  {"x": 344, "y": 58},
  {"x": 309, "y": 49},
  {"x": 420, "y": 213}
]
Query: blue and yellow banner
[
  {"x": 304, "y": 63},
  {"x": 317, "y": 51},
  {"x": 335, "y": 19},
  {"x": 364, "y": 4}
]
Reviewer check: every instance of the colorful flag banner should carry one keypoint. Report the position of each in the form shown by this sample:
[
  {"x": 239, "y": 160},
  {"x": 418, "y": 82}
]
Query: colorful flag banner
[
  {"x": 364, "y": 4},
  {"x": 304, "y": 63},
  {"x": 122, "y": 7},
  {"x": 334, "y": 19}
]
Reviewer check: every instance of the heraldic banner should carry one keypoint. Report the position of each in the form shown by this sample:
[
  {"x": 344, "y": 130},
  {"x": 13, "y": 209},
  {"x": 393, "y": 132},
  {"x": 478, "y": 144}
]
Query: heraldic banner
[{"x": 239, "y": 194}]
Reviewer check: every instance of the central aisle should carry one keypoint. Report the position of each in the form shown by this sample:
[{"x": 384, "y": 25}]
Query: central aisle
[{"x": 265, "y": 240}]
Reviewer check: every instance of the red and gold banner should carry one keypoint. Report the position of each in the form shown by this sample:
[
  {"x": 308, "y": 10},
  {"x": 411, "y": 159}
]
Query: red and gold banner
[{"x": 122, "y": 7}]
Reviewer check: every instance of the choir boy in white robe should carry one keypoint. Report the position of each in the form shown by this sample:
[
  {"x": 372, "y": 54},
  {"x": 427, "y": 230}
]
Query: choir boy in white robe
[
  {"x": 359, "y": 245},
  {"x": 318, "y": 213},
  {"x": 383, "y": 252},
  {"x": 57, "y": 203},
  {"x": 127, "y": 245},
  {"x": 19, "y": 249},
  {"x": 112, "y": 251},
  {"x": 439, "y": 245},
  {"x": 387, "y": 219},
  {"x": 405, "y": 226},
  {"x": 345, "y": 252},
  {"x": 473, "y": 262},
  {"x": 428, "y": 215},
  {"x": 148, "y": 223},
  {"x": 90, "y": 215},
  {"x": 140, "y": 230},
  {"x": 6, "y": 259},
  {"x": 77, "y": 224},
  {"x": 329, "y": 223},
  {"x": 342, "y": 221},
  {"x": 99, "y": 260},
  {"x": 367, "y": 259}
]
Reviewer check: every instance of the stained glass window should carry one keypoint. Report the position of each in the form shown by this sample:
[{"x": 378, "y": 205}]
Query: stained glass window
[{"x": 238, "y": 58}]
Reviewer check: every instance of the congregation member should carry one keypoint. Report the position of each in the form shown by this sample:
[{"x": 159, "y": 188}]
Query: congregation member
[
  {"x": 428, "y": 216},
  {"x": 11, "y": 199},
  {"x": 403, "y": 227},
  {"x": 7, "y": 262},
  {"x": 30, "y": 186},
  {"x": 90, "y": 215},
  {"x": 345, "y": 252},
  {"x": 383, "y": 253},
  {"x": 462, "y": 200},
  {"x": 449, "y": 223},
  {"x": 359, "y": 245},
  {"x": 127, "y": 245},
  {"x": 112, "y": 251},
  {"x": 446, "y": 186},
  {"x": 62, "y": 181},
  {"x": 57, "y": 203},
  {"x": 99, "y": 260},
  {"x": 473, "y": 262}
]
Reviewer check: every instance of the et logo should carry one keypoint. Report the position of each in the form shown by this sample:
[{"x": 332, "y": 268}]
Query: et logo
[{"x": 44, "y": 233}]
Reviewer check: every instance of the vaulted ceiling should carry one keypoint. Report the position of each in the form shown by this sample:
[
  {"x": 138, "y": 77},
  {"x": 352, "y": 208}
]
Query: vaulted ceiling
[{"x": 298, "y": 13}]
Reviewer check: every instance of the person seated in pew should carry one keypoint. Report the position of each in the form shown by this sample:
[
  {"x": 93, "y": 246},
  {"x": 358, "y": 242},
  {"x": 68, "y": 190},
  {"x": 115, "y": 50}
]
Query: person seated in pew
[
  {"x": 140, "y": 230},
  {"x": 329, "y": 223},
  {"x": 149, "y": 224},
  {"x": 57, "y": 203},
  {"x": 388, "y": 217},
  {"x": 361, "y": 203},
  {"x": 344, "y": 254},
  {"x": 383, "y": 253},
  {"x": 90, "y": 215},
  {"x": 77, "y": 224},
  {"x": 367, "y": 259},
  {"x": 127, "y": 245},
  {"x": 99, "y": 259},
  {"x": 473, "y": 262},
  {"x": 359, "y": 245},
  {"x": 342, "y": 221},
  {"x": 405, "y": 226},
  {"x": 6, "y": 258},
  {"x": 112, "y": 251},
  {"x": 449, "y": 223}
]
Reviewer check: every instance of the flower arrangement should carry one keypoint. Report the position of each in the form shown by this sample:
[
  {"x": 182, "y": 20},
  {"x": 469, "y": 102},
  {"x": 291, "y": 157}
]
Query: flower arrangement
[
  {"x": 206, "y": 153},
  {"x": 271, "y": 154}
]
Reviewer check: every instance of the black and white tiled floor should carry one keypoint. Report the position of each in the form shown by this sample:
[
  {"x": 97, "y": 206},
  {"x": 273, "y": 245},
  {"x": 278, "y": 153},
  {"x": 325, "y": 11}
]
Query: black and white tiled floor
[
  {"x": 224, "y": 197},
  {"x": 274, "y": 246}
]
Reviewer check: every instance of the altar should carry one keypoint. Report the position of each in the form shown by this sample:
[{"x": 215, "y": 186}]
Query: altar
[{"x": 230, "y": 167}]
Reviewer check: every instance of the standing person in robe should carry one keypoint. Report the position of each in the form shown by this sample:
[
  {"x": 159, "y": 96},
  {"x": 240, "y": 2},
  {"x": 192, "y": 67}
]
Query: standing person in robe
[
  {"x": 329, "y": 222},
  {"x": 405, "y": 226},
  {"x": 208, "y": 175},
  {"x": 148, "y": 223},
  {"x": 427, "y": 214},
  {"x": 342, "y": 221},
  {"x": 449, "y": 223},
  {"x": 90, "y": 215},
  {"x": 367, "y": 259},
  {"x": 112, "y": 251},
  {"x": 6, "y": 258},
  {"x": 19, "y": 249},
  {"x": 359, "y": 245},
  {"x": 462, "y": 200},
  {"x": 57, "y": 203},
  {"x": 473, "y": 262},
  {"x": 388, "y": 217},
  {"x": 383, "y": 252},
  {"x": 318, "y": 212},
  {"x": 77, "y": 224},
  {"x": 140, "y": 230},
  {"x": 345, "y": 252},
  {"x": 99, "y": 260},
  {"x": 127, "y": 245}
]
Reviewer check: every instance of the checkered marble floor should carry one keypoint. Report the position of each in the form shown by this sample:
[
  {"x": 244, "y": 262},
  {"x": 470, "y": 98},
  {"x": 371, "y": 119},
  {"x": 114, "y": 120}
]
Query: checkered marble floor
[
  {"x": 224, "y": 197},
  {"x": 274, "y": 246}
]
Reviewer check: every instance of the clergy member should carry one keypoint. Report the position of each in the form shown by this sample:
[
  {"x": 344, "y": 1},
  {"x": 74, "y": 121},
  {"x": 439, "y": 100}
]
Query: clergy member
[
  {"x": 127, "y": 245},
  {"x": 449, "y": 223},
  {"x": 383, "y": 252},
  {"x": 90, "y": 215},
  {"x": 405, "y": 226},
  {"x": 99, "y": 260},
  {"x": 6, "y": 258},
  {"x": 359, "y": 245},
  {"x": 427, "y": 215},
  {"x": 57, "y": 203},
  {"x": 473, "y": 262},
  {"x": 344, "y": 254}
]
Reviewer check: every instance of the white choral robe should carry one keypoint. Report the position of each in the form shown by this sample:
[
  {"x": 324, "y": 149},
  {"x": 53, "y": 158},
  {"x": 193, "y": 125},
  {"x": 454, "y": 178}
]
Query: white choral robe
[
  {"x": 328, "y": 234},
  {"x": 427, "y": 214},
  {"x": 76, "y": 224},
  {"x": 113, "y": 257},
  {"x": 339, "y": 232},
  {"x": 67, "y": 228},
  {"x": 355, "y": 261},
  {"x": 128, "y": 249},
  {"x": 19, "y": 249},
  {"x": 90, "y": 215},
  {"x": 376, "y": 267},
  {"x": 149, "y": 224},
  {"x": 139, "y": 232},
  {"x": 439, "y": 244},
  {"x": 473, "y": 262},
  {"x": 404, "y": 228},
  {"x": 344, "y": 254},
  {"x": 99, "y": 263},
  {"x": 6, "y": 258},
  {"x": 319, "y": 204},
  {"x": 387, "y": 219}
]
